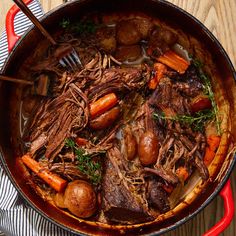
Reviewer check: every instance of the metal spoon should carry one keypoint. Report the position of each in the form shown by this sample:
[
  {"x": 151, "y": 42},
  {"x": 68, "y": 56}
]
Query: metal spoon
[
  {"x": 39, "y": 86},
  {"x": 7, "y": 78},
  {"x": 70, "y": 59}
]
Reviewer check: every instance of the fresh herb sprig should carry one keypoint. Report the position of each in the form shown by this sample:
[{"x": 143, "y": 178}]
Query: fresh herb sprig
[
  {"x": 197, "y": 122},
  {"x": 86, "y": 163},
  {"x": 85, "y": 27},
  {"x": 208, "y": 91},
  {"x": 69, "y": 143},
  {"x": 65, "y": 23}
]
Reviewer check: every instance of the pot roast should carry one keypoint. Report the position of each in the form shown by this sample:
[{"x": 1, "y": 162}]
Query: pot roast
[{"x": 131, "y": 126}]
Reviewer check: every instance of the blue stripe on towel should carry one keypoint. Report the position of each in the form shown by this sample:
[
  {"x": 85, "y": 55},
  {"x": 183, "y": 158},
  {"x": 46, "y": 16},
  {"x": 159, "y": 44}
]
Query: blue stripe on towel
[{"x": 21, "y": 24}]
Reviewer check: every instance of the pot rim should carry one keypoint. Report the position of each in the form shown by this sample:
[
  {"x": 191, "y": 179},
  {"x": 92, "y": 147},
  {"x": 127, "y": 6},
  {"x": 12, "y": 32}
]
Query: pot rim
[{"x": 210, "y": 197}]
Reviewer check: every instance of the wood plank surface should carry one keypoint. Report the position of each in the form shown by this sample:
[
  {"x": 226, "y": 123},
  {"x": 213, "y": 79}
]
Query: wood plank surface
[{"x": 218, "y": 16}]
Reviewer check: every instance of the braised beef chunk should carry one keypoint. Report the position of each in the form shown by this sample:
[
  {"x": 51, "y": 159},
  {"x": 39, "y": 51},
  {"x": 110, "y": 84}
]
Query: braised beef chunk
[
  {"x": 189, "y": 83},
  {"x": 118, "y": 80},
  {"x": 167, "y": 96},
  {"x": 183, "y": 144},
  {"x": 50, "y": 128},
  {"x": 121, "y": 203},
  {"x": 157, "y": 197}
]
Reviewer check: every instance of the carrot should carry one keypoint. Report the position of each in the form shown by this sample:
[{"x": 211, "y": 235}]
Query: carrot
[
  {"x": 168, "y": 189},
  {"x": 182, "y": 173},
  {"x": 103, "y": 104},
  {"x": 153, "y": 83},
  {"x": 209, "y": 156},
  {"x": 174, "y": 61},
  {"x": 160, "y": 70},
  {"x": 200, "y": 102},
  {"x": 81, "y": 141},
  {"x": 51, "y": 179},
  {"x": 213, "y": 142}
]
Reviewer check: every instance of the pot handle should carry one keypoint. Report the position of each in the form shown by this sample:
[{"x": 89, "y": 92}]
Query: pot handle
[
  {"x": 226, "y": 194},
  {"x": 12, "y": 37}
]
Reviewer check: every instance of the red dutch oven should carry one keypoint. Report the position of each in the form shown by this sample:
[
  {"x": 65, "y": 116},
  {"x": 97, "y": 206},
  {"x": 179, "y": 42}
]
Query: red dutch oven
[{"x": 21, "y": 48}]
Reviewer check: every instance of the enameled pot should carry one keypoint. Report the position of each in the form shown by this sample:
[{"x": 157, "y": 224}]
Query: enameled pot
[{"x": 224, "y": 85}]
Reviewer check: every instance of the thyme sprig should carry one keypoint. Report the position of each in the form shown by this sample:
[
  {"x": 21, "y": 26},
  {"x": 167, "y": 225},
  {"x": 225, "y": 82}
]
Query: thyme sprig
[
  {"x": 86, "y": 27},
  {"x": 86, "y": 163},
  {"x": 64, "y": 23},
  {"x": 208, "y": 91},
  {"x": 196, "y": 122}
]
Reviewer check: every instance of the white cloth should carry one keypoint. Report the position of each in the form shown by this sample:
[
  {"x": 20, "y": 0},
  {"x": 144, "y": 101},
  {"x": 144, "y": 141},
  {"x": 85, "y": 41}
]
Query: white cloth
[{"x": 17, "y": 218}]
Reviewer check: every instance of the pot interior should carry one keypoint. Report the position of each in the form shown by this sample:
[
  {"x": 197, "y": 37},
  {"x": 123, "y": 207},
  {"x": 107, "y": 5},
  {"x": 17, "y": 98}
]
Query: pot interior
[{"x": 11, "y": 96}]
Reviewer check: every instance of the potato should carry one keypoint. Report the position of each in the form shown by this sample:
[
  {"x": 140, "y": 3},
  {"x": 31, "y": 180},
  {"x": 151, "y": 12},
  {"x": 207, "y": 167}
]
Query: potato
[
  {"x": 161, "y": 40},
  {"x": 130, "y": 144},
  {"x": 80, "y": 199},
  {"x": 148, "y": 148},
  {"x": 144, "y": 26},
  {"x": 127, "y": 33},
  {"x": 59, "y": 200},
  {"x": 128, "y": 53},
  {"x": 106, "y": 119}
]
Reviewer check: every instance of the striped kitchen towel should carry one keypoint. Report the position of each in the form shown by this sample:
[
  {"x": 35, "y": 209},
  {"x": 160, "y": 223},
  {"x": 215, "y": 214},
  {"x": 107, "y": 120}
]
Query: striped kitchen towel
[
  {"x": 17, "y": 218},
  {"x": 21, "y": 24}
]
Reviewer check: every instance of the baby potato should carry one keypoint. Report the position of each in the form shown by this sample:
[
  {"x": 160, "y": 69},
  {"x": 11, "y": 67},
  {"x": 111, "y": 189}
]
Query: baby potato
[
  {"x": 127, "y": 33},
  {"x": 128, "y": 53},
  {"x": 130, "y": 144},
  {"x": 144, "y": 26},
  {"x": 148, "y": 148},
  {"x": 80, "y": 199},
  {"x": 106, "y": 119},
  {"x": 59, "y": 200}
]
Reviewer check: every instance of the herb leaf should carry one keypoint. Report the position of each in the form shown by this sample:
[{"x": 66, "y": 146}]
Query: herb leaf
[
  {"x": 85, "y": 27},
  {"x": 65, "y": 23},
  {"x": 86, "y": 163},
  {"x": 196, "y": 122},
  {"x": 208, "y": 91},
  {"x": 70, "y": 143}
]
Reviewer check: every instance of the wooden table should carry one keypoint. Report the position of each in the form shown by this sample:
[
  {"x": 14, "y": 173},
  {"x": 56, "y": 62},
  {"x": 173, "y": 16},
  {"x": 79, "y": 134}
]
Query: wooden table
[{"x": 219, "y": 17}]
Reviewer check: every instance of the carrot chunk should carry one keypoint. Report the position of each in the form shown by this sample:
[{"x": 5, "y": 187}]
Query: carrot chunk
[
  {"x": 103, "y": 104},
  {"x": 51, "y": 179},
  {"x": 174, "y": 61},
  {"x": 81, "y": 141},
  {"x": 213, "y": 142},
  {"x": 153, "y": 83},
  {"x": 182, "y": 173},
  {"x": 160, "y": 70},
  {"x": 209, "y": 156}
]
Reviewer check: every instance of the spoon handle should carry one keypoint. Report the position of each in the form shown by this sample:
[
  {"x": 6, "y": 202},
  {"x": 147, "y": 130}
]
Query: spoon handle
[
  {"x": 6, "y": 78},
  {"x": 34, "y": 20}
]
